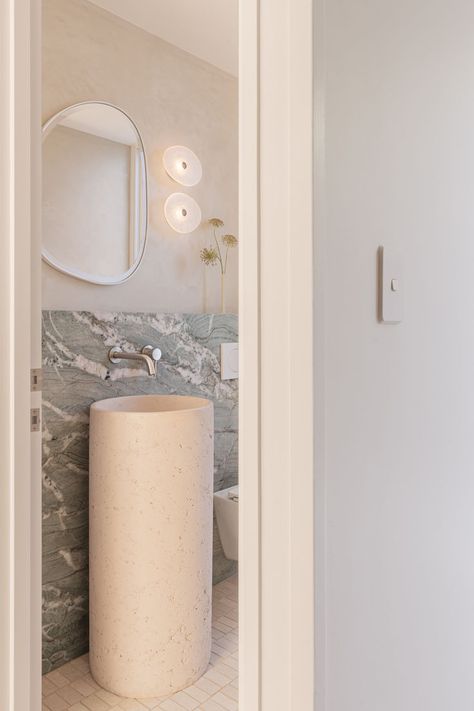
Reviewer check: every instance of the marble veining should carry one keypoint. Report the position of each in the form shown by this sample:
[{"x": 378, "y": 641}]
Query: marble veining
[{"x": 76, "y": 374}]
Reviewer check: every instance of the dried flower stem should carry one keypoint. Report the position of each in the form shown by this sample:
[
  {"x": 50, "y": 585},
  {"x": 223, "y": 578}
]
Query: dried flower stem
[
  {"x": 219, "y": 253},
  {"x": 211, "y": 255}
]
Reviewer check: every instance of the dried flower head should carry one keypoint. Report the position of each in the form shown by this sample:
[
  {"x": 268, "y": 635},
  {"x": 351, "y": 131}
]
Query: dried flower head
[
  {"x": 216, "y": 222},
  {"x": 230, "y": 240},
  {"x": 209, "y": 256}
]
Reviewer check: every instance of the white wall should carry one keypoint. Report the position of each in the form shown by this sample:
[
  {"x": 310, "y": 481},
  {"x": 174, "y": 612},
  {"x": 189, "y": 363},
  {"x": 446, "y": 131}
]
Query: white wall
[
  {"x": 174, "y": 98},
  {"x": 399, "y": 415}
]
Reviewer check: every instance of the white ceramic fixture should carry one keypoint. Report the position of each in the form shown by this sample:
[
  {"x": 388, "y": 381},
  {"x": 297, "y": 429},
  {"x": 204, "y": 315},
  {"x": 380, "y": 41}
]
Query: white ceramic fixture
[
  {"x": 183, "y": 165},
  {"x": 182, "y": 213},
  {"x": 229, "y": 361},
  {"x": 151, "y": 473},
  {"x": 226, "y": 506}
]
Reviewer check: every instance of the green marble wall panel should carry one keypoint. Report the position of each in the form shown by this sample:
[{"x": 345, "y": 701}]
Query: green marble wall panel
[{"x": 76, "y": 373}]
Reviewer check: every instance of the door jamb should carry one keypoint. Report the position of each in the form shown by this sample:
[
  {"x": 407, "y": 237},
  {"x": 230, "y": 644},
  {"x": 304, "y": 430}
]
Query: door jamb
[
  {"x": 276, "y": 372},
  {"x": 20, "y": 520},
  {"x": 276, "y": 311}
]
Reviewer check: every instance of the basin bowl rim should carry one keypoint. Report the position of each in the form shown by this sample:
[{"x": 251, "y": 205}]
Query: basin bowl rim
[{"x": 150, "y": 404}]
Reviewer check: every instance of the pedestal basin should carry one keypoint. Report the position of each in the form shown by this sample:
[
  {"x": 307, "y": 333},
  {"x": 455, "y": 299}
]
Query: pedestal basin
[{"x": 151, "y": 481}]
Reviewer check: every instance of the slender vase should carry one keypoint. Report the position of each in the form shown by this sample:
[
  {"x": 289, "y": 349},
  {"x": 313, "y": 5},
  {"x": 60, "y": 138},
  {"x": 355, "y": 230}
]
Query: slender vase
[{"x": 223, "y": 292}]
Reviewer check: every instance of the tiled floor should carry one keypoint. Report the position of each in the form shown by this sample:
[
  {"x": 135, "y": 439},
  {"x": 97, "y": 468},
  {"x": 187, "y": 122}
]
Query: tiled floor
[{"x": 71, "y": 687}]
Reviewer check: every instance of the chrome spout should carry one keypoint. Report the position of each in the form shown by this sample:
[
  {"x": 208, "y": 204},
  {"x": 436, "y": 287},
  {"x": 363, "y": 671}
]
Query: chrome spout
[{"x": 148, "y": 355}]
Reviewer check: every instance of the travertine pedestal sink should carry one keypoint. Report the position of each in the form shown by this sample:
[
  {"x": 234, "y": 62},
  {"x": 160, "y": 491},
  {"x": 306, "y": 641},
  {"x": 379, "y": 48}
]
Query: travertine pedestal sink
[{"x": 151, "y": 473}]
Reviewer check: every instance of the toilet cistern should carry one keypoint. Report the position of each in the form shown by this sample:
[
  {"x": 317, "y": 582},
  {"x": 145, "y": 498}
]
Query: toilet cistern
[{"x": 148, "y": 354}]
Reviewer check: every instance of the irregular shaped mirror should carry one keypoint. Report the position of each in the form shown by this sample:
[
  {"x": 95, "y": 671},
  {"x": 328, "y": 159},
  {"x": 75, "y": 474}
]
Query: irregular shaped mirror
[{"x": 94, "y": 193}]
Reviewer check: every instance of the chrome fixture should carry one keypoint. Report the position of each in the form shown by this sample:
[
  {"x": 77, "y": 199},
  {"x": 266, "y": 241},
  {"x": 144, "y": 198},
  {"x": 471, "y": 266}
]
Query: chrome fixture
[{"x": 149, "y": 354}]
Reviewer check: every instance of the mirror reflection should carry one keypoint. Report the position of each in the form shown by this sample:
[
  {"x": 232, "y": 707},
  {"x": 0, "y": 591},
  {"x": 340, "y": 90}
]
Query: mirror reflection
[{"x": 94, "y": 193}]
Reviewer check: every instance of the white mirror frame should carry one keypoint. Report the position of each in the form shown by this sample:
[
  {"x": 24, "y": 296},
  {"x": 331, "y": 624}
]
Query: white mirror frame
[{"x": 77, "y": 273}]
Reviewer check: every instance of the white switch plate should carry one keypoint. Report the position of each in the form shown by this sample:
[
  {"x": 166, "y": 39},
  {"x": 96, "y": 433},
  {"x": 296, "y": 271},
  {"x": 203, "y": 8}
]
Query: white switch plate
[
  {"x": 229, "y": 361},
  {"x": 392, "y": 286}
]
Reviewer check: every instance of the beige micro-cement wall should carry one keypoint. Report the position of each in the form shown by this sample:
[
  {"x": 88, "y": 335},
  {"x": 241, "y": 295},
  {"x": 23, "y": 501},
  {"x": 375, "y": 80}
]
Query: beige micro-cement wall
[{"x": 174, "y": 98}]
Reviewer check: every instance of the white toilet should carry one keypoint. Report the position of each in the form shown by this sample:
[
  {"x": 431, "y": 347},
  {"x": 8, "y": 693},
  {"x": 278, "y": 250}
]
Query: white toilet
[{"x": 226, "y": 506}]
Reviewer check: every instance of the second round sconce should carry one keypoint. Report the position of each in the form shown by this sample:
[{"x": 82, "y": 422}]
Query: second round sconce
[
  {"x": 182, "y": 165},
  {"x": 182, "y": 213}
]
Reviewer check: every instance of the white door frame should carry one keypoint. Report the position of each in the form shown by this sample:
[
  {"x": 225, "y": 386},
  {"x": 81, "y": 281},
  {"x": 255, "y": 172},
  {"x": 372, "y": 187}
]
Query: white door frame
[
  {"x": 276, "y": 335},
  {"x": 20, "y": 484}
]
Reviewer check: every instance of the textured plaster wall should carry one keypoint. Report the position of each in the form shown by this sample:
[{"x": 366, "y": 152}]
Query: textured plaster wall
[{"x": 174, "y": 98}]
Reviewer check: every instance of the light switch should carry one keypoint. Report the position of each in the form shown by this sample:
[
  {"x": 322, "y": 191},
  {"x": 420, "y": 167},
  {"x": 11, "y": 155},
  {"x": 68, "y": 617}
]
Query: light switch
[
  {"x": 391, "y": 286},
  {"x": 229, "y": 361}
]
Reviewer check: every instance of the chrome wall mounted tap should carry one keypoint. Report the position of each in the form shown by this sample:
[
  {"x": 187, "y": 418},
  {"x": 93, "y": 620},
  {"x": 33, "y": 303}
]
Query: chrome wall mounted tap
[{"x": 149, "y": 355}]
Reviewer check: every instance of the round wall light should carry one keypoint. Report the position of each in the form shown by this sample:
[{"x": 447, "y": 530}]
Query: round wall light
[
  {"x": 182, "y": 165},
  {"x": 182, "y": 213}
]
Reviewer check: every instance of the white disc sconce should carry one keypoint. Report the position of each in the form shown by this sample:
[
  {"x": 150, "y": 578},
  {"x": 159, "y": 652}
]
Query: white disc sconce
[
  {"x": 182, "y": 213},
  {"x": 182, "y": 165}
]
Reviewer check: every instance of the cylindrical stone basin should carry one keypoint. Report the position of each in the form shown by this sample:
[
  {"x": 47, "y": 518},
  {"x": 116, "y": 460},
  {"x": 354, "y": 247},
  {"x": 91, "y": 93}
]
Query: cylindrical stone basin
[{"x": 151, "y": 483}]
